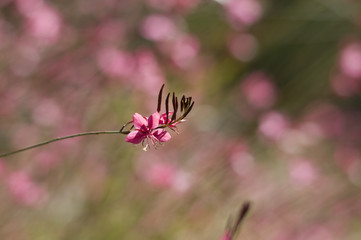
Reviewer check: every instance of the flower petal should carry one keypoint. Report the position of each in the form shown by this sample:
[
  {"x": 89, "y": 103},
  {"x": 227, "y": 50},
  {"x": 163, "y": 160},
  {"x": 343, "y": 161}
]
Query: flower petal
[
  {"x": 162, "y": 135},
  {"x": 153, "y": 120},
  {"x": 139, "y": 121},
  {"x": 135, "y": 137}
]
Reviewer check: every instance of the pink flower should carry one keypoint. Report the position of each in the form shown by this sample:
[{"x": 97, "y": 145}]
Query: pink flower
[
  {"x": 146, "y": 129},
  {"x": 163, "y": 120}
]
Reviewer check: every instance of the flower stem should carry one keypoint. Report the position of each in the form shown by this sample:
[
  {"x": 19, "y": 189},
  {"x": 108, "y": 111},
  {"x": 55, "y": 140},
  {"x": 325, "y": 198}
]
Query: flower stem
[{"x": 62, "y": 138}]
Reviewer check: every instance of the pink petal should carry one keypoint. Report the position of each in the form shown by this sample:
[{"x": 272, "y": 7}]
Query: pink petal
[
  {"x": 162, "y": 135},
  {"x": 153, "y": 120},
  {"x": 135, "y": 137},
  {"x": 139, "y": 121}
]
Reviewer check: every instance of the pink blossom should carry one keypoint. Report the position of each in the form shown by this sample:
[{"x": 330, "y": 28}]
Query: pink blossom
[
  {"x": 246, "y": 12},
  {"x": 163, "y": 120},
  {"x": 146, "y": 129},
  {"x": 259, "y": 90},
  {"x": 24, "y": 190},
  {"x": 350, "y": 60},
  {"x": 158, "y": 28}
]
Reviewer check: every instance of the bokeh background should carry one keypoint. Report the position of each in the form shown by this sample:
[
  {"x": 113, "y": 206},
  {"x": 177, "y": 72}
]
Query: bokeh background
[{"x": 277, "y": 118}]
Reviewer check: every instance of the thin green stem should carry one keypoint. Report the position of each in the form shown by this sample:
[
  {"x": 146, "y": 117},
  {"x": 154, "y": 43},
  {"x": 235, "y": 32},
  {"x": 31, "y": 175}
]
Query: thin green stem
[{"x": 62, "y": 138}]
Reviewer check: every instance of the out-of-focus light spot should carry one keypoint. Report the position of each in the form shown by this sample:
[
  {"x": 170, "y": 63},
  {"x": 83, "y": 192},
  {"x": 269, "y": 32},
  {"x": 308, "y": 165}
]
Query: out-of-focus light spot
[
  {"x": 273, "y": 125},
  {"x": 47, "y": 113},
  {"x": 350, "y": 60},
  {"x": 259, "y": 90},
  {"x": 242, "y": 162},
  {"x": 148, "y": 75},
  {"x": 302, "y": 172},
  {"x": 164, "y": 175},
  {"x": 184, "y": 51},
  {"x": 116, "y": 63},
  {"x": 345, "y": 86},
  {"x": 243, "y": 47},
  {"x": 329, "y": 119},
  {"x": 246, "y": 12},
  {"x": 293, "y": 141},
  {"x": 158, "y": 28},
  {"x": 43, "y": 21},
  {"x": 24, "y": 190},
  {"x": 45, "y": 24}
]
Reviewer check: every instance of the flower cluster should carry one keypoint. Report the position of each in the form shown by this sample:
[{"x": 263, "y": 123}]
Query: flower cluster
[{"x": 151, "y": 131}]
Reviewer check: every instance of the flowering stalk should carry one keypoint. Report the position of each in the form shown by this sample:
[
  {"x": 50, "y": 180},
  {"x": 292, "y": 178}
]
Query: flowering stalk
[
  {"x": 62, "y": 138},
  {"x": 233, "y": 228},
  {"x": 149, "y": 129}
]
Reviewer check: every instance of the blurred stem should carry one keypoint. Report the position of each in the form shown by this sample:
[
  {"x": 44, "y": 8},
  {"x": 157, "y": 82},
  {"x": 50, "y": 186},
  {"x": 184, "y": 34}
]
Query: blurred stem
[{"x": 63, "y": 138}]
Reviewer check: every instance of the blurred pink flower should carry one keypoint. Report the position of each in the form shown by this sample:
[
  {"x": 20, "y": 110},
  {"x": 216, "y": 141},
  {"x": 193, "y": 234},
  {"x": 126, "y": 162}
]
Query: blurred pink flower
[
  {"x": 148, "y": 75},
  {"x": 43, "y": 21},
  {"x": 243, "y": 47},
  {"x": 350, "y": 60},
  {"x": 345, "y": 86},
  {"x": 273, "y": 125},
  {"x": 165, "y": 175},
  {"x": 115, "y": 63},
  {"x": 47, "y": 113},
  {"x": 45, "y": 24},
  {"x": 184, "y": 51},
  {"x": 145, "y": 129},
  {"x": 246, "y": 12},
  {"x": 161, "y": 174},
  {"x": 241, "y": 159},
  {"x": 24, "y": 190},
  {"x": 259, "y": 90},
  {"x": 302, "y": 172},
  {"x": 158, "y": 28}
]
